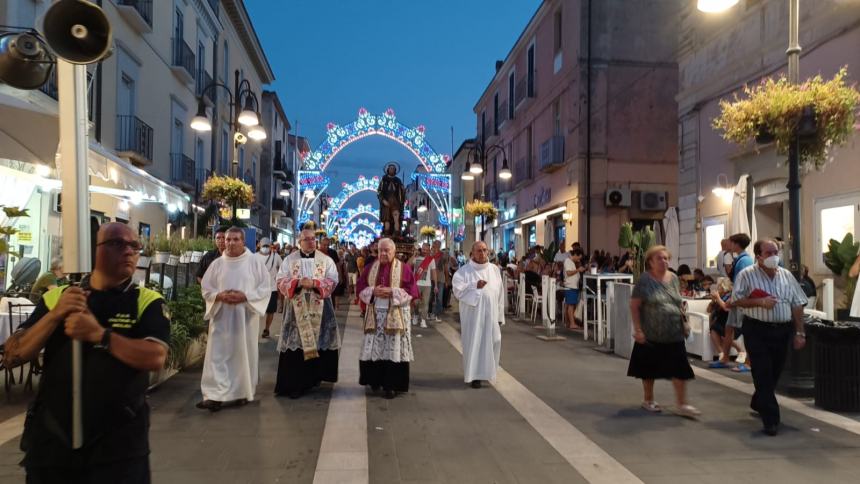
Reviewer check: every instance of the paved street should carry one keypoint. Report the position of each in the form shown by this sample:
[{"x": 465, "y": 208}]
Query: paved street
[{"x": 559, "y": 412}]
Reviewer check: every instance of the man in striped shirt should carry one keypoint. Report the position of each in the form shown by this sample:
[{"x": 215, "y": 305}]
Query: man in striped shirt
[{"x": 771, "y": 301}]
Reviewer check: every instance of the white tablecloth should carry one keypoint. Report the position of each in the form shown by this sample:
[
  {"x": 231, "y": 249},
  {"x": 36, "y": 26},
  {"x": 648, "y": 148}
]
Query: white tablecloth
[
  {"x": 697, "y": 305},
  {"x": 21, "y": 314}
]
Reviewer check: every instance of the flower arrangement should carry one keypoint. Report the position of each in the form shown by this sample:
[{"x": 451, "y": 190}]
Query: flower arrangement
[
  {"x": 228, "y": 190},
  {"x": 779, "y": 108},
  {"x": 477, "y": 208},
  {"x": 428, "y": 231}
]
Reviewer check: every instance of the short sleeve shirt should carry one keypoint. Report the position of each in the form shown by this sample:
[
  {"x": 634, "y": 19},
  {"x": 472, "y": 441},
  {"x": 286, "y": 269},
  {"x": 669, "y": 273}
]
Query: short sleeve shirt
[
  {"x": 425, "y": 278},
  {"x": 660, "y": 309},
  {"x": 570, "y": 282},
  {"x": 783, "y": 286}
]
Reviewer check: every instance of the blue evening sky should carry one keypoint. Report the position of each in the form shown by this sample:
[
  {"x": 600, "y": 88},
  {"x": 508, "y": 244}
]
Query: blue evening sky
[{"x": 429, "y": 60}]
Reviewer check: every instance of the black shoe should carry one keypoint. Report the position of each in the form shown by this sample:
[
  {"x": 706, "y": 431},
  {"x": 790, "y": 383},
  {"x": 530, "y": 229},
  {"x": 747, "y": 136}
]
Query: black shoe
[
  {"x": 208, "y": 404},
  {"x": 265, "y": 333},
  {"x": 389, "y": 394},
  {"x": 476, "y": 383},
  {"x": 294, "y": 394},
  {"x": 214, "y": 406},
  {"x": 771, "y": 430},
  {"x": 374, "y": 388}
]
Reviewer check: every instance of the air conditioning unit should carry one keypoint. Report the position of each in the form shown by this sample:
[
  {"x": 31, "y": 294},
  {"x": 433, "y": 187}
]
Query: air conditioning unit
[
  {"x": 618, "y": 197},
  {"x": 57, "y": 202},
  {"x": 653, "y": 201}
]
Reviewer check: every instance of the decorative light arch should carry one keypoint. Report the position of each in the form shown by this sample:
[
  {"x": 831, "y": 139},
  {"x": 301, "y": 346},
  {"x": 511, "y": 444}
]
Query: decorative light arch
[
  {"x": 349, "y": 190},
  {"x": 344, "y": 231},
  {"x": 367, "y": 124},
  {"x": 349, "y": 214},
  {"x": 361, "y": 238}
]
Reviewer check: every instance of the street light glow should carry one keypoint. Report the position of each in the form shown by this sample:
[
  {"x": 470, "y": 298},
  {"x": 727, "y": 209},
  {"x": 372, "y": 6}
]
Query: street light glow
[
  {"x": 309, "y": 193},
  {"x": 201, "y": 123},
  {"x": 505, "y": 173},
  {"x": 248, "y": 118},
  {"x": 422, "y": 208},
  {"x": 715, "y": 6},
  {"x": 467, "y": 176},
  {"x": 284, "y": 192},
  {"x": 257, "y": 133},
  {"x": 476, "y": 168}
]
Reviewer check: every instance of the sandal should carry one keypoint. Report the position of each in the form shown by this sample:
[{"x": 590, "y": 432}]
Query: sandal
[
  {"x": 717, "y": 365},
  {"x": 741, "y": 368},
  {"x": 651, "y": 406},
  {"x": 688, "y": 411}
]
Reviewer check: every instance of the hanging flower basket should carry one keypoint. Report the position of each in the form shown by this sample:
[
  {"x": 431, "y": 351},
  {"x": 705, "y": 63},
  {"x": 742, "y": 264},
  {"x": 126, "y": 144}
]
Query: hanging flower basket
[
  {"x": 480, "y": 208},
  {"x": 228, "y": 191},
  {"x": 428, "y": 231},
  {"x": 821, "y": 113}
]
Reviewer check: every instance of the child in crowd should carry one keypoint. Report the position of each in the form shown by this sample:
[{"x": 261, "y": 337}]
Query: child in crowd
[{"x": 718, "y": 310}]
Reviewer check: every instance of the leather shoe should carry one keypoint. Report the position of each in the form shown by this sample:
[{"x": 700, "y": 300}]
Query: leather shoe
[
  {"x": 389, "y": 394},
  {"x": 476, "y": 383},
  {"x": 771, "y": 430}
]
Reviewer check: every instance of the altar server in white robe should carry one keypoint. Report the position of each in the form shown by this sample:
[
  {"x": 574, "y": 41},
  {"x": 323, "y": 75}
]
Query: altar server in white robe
[
  {"x": 236, "y": 288},
  {"x": 480, "y": 289}
]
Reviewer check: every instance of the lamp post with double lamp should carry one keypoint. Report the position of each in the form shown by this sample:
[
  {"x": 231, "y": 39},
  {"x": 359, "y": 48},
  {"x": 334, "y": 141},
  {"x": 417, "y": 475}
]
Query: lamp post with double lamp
[
  {"x": 477, "y": 164},
  {"x": 242, "y": 114},
  {"x": 799, "y": 364}
]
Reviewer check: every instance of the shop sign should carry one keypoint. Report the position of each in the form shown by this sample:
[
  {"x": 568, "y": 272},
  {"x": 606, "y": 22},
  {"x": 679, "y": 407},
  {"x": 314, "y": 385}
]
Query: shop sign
[
  {"x": 243, "y": 213},
  {"x": 25, "y": 237},
  {"x": 509, "y": 213},
  {"x": 542, "y": 197}
]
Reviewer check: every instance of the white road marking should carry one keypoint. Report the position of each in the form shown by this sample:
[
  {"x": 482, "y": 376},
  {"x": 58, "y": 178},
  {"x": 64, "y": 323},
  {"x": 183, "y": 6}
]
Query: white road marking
[
  {"x": 12, "y": 428},
  {"x": 789, "y": 403},
  {"x": 592, "y": 462},
  {"x": 343, "y": 452}
]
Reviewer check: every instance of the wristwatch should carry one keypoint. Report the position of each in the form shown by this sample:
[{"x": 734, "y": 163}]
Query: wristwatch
[{"x": 104, "y": 344}]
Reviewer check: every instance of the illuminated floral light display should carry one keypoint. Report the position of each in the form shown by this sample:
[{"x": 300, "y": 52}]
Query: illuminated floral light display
[
  {"x": 309, "y": 181},
  {"x": 438, "y": 187},
  {"x": 375, "y": 226},
  {"x": 385, "y": 124},
  {"x": 361, "y": 238},
  {"x": 363, "y": 184},
  {"x": 344, "y": 216}
]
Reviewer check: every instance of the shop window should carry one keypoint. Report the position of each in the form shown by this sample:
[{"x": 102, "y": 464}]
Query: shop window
[
  {"x": 713, "y": 233},
  {"x": 834, "y": 217}
]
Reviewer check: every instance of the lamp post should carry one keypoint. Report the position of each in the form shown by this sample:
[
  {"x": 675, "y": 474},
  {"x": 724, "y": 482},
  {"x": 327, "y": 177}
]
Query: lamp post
[
  {"x": 800, "y": 379},
  {"x": 476, "y": 165},
  {"x": 245, "y": 114}
]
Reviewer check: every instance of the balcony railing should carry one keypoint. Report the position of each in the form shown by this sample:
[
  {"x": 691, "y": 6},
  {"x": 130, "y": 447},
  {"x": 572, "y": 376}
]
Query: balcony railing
[
  {"x": 200, "y": 176},
  {"x": 279, "y": 205},
  {"x": 134, "y": 137},
  {"x": 203, "y": 80},
  {"x": 142, "y": 7},
  {"x": 184, "y": 57},
  {"x": 552, "y": 153},
  {"x": 182, "y": 171},
  {"x": 214, "y": 5}
]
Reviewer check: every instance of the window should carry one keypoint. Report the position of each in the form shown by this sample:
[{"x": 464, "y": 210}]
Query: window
[
  {"x": 532, "y": 235},
  {"x": 713, "y": 233},
  {"x": 556, "y": 117},
  {"x": 179, "y": 26},
  {"x": 496, "y": 113},
  {"x": 511, "y": 103},
  {"x": 483, "y": 125},
  {"x": 557, "y": 32},
  {"x": 530, "y": 74},
  {"x": 225, "y": 152},
  {"x": 529, "y": 150},
  {"x": 225, "y": 68},
  {"x": 835, "y": 217}
]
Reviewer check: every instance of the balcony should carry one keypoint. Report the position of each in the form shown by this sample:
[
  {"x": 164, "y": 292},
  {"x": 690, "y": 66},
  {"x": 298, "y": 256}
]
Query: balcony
[
  {"x": 279, "y": 165},
  {"x": 203, "y": 80},
  {"x": 138, "y": 14},
  {"x": 503, "y": 113},
  {"x": 552, "y": 154},
  {"x": 520, "y": 92},
  {"x": 521, "y": 171},
  {"x": 182, "y": 172},
  {"x": 201, "y": 175},
  {"x": 279, "y": 205},
  {"x": 134, "y": 140},
  {"x": 214, "y": 5},
  {"x": 183, "y": 61}
]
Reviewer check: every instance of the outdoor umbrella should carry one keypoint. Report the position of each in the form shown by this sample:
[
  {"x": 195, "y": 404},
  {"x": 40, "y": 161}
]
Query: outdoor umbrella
[
  {"x": 672, "y": 238},
  {"x": 739, "y": 221}
]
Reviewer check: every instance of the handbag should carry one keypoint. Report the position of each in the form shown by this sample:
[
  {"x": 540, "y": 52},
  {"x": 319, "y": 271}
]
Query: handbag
[{"x": 685, "y": 321}]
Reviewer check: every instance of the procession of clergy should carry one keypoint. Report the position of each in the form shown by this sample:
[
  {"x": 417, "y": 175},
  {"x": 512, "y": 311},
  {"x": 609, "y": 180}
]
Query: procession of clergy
[{"x": 241, "y": 287}]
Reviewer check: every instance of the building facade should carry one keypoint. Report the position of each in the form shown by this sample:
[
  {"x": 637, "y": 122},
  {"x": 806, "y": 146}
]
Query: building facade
[
  {"x": 580, "y": 112},
  {"x": 718, "y": 55},
  {"x": 147, "y": 165}
]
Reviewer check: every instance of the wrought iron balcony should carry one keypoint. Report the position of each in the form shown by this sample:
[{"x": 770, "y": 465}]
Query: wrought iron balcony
[
  {"x": 279, "y": 205},
  {"x": 134, "y": 139},
  {"x": 203, "y": 80},
  {"x": 214, "y": 5},
  {"x": 552, "y": 153},
  {"x": 138, "y": 13},
  {"x": 183, "y": 63},
  {"x": 201, "y": 175},
  {"x": 182, "y": 171},
  {"x": 521, "y": 171}
]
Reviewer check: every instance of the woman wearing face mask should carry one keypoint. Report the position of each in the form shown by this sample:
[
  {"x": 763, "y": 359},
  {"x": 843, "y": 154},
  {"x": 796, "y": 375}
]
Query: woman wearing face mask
[
  {"x": 771, "y": 302},
  {"x": 273, "y": 263}
]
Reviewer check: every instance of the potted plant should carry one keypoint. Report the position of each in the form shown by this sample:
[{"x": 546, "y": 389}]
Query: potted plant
[
  {"x": 175, "y": 251},
  {"x": 230, "y": 193},
  {"x": 161, "y": 244},
  {"x": 198, "y": 249},
  {"x": 146, "y": 251},
  {"x": 821, "y": 114},
  {"x": 839, "y": 257},
  {"x": 428, "y": 232},
  {"x": 638, "y": 243},
  {"x": 480, "y": 208}
]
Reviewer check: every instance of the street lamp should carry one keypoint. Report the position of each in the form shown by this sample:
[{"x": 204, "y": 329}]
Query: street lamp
[
  {"x": 467, "y": 175},
  {"x": 800, "y": 368}
]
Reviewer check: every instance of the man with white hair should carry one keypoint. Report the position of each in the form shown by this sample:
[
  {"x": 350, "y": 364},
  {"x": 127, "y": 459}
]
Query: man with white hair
[
  {"x": 236, "y": 288},
  {"x": 387, "y": 286},
  {"x": 479, "y": 288},
  {"x": 309, "y": 343}
]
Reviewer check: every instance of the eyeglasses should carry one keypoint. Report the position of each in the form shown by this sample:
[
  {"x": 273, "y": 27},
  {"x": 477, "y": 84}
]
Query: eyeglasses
[{"x": 122, "y": 244}]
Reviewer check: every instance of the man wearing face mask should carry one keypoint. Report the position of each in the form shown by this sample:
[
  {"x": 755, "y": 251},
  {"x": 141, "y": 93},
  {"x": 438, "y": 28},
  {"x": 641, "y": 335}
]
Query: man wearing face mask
[
  {"x": 771, "y": 302},
  {"x": 272, "y": 261}
]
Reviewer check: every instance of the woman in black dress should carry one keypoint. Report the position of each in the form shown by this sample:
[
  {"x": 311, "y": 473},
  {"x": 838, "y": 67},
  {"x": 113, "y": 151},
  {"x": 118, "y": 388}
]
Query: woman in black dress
[{"x": 659, "y": 351}]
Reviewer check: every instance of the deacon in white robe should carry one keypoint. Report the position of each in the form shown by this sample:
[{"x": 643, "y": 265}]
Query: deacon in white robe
[
  {"x": 479, "y": 287},
  {"x": 236, "y": 288},
  {"x": 309, "y": 344}
]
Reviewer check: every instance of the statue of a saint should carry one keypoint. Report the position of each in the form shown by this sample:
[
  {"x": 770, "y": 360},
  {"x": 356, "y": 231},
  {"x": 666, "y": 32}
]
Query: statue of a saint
[{"x": 392, "y": 197}]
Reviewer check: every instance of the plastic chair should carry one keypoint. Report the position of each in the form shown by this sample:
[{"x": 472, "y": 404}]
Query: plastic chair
[
  {"x": 17, "y": 315},
  {"x": 537, "y": 302}
]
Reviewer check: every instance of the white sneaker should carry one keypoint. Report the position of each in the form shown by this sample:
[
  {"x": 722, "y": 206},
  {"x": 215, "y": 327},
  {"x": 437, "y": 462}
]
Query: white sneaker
[
  {"x": 423, "y": 323},
  {"x": 438, "y": 320}
]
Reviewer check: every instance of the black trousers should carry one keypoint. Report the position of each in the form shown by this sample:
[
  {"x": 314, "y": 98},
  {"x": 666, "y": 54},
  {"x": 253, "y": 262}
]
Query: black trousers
[
  {"x": 767, "y": 346},
  {"x": 132, "y": 471}
]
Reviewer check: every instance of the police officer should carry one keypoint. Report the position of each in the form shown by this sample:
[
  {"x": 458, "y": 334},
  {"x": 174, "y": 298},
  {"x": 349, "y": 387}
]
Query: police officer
[{"x": 125, "y": 331}]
